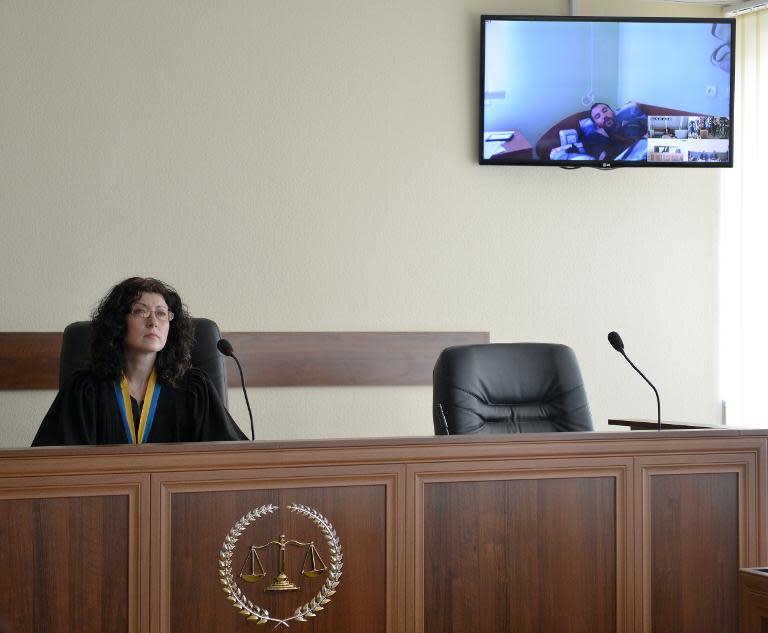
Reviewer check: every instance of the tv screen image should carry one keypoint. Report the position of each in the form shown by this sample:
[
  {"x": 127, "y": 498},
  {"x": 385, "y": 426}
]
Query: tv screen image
[{"x": 606, "y": 92}]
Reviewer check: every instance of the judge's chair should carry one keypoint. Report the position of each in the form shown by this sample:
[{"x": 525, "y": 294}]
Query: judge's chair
[
  {"x": 76, "y": 352},
  {"x": 508, "y": 388}
]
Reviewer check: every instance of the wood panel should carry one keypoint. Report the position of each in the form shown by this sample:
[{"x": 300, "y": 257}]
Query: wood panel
[
  {"x": 696, "y": 531},
  {"x": 525, "y": 555},
  {"x": 694, "y": 555},
  {"x": 358, "y": 515},
  {"x": 72, "y": 554},
  {"x": 362, "y": 507},
  {"x": 592, "y": 509},
  {"x": 64, "y": 564},
  {"x": 30, "y": 360},
  {"x": 343, "y": 358}
]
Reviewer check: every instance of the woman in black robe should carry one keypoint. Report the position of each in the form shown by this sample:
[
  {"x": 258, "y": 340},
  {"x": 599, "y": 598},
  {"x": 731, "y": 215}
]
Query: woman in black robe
[{"x": 141, "y": 386}]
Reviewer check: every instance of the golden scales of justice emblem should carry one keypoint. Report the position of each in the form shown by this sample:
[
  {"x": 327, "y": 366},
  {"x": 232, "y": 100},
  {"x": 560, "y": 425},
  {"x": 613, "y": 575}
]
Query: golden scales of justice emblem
[{"x": 313, "y": 566}]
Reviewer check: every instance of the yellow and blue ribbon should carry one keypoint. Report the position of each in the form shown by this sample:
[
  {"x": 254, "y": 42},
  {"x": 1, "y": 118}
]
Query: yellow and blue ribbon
[{"x": 148, "y": 408}]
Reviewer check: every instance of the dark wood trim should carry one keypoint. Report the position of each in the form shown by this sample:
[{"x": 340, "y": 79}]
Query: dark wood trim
[
  {"x": 284, "y": 359},
  {"x": 30, "y": 360}
]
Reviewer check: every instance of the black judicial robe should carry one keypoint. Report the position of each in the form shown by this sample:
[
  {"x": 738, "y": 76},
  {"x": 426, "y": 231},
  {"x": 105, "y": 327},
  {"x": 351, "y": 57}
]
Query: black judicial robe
[{"x": 86, "y": 411}]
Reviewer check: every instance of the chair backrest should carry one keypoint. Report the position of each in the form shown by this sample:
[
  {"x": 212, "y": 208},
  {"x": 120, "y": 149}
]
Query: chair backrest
[
  {"x": 76, "y": 352},
  {"x": 509, "y": 388}
]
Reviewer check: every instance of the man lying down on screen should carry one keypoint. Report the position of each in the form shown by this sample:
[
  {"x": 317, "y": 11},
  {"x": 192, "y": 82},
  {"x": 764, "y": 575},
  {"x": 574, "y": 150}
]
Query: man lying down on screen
[{"x": 609, "y": 135}]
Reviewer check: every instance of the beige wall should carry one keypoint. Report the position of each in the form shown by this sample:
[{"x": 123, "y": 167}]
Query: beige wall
[{"x": 311, "y": 165}]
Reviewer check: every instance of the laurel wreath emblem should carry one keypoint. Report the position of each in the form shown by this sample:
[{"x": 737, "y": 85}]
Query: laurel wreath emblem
[{"x": 245, "y": 606}]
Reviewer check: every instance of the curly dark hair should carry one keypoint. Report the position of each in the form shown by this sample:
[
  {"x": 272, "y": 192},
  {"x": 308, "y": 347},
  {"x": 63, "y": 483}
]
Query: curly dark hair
[{"x": 108, "y": 327}]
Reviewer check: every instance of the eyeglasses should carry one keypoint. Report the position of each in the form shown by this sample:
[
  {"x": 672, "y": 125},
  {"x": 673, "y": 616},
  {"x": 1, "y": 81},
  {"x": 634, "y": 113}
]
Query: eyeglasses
[{"x": 143, "y": 313}]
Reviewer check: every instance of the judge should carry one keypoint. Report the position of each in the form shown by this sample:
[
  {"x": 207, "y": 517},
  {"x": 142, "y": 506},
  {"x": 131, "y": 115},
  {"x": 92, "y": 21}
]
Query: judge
[{"x": 141, "y": 386}]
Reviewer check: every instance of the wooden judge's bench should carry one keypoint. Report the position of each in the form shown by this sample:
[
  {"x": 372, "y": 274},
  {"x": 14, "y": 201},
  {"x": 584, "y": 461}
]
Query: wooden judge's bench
[{"x": 577, "y": 532}]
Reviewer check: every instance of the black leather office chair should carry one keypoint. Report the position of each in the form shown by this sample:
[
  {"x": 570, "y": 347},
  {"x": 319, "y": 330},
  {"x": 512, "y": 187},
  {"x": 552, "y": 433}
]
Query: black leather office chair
[
  {"x": 76, "y": 348},
  {"x": 508, "y": 388}
]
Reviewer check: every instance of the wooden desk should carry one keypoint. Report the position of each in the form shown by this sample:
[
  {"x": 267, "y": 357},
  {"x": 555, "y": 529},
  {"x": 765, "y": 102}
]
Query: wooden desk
[
  {"x": 753, "y": 600},
  {"x": 577, "y": 532},
  {"x": 517, "y": 147},
  {"x": 652, "y": 425}
]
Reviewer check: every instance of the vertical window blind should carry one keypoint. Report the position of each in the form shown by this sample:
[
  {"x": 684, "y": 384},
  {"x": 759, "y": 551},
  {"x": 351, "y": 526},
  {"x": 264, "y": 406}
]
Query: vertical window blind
[{"x": 744, "y": 235}]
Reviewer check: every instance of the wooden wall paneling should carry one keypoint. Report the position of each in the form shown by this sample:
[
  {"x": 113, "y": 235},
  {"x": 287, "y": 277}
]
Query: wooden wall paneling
[
  {"x": 284, "y": 359},
  {"x": 75, "y": 554},
  {"x": 483, "y": 531},
  {"x": 701, "y": 511},
  {"x": 193, "y": 513},
  {"x": 30, "y": 360}
]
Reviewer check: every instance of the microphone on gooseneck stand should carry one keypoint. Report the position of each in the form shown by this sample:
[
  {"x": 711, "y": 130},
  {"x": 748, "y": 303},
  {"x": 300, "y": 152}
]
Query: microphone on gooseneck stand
[
  {"x": 615, "y": 340},
  {"x": 225, "y": 347}
]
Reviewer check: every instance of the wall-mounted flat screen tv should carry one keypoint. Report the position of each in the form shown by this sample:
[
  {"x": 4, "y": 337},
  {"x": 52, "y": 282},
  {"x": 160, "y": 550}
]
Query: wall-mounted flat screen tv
[{"x": 606, "y": 92}]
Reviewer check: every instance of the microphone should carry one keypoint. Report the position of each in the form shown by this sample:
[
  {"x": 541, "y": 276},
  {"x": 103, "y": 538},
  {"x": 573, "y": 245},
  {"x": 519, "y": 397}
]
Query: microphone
[
  {"x": 225, "y": 347},
  {"x": 615, "y": 340}
]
